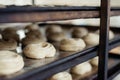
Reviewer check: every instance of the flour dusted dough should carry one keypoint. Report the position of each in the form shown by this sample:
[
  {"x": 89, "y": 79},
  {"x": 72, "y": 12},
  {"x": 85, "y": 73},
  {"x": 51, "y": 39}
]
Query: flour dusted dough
[
  {"x": 72, "y": 44},
  {"x": 82, "y": 68},
  {"x": 94, "y": 61},
  {"x": 79, "y": 32},
  {"x": 92, "y": 39},
  {"x": 40, "y": 50},
  {"x": 10, "y": 62},
  {"x": 61, "y": 76}
]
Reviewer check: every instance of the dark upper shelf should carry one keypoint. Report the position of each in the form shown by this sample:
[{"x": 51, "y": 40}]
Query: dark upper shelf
[{"x": 37, "y": 14}]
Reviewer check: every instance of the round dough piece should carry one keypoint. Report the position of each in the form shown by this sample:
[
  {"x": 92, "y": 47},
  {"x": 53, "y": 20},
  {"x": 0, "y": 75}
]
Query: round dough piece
[
  {"x": 92, "y": 39},
  {"x": 33, "y": 33},
  {"x": 94, "y": 61},
  {"x": 9, "y": 30},
  {"x": 10, "y": 62},
  {"x": 32, "y": 40},
  {"x": 61, "y": 76},
  {"x": 53, "y": 29},
  {"x": 79, "y": 32},
  {"x": 72, "y": 44},
  {"x": 11, "y": 36},
  {"x": 82, "y": 68},
  {"x": 40, "y": 50},
  {"x": 31, "y": 27},
  {"x": 111, "y": 34},
  {"x": 56, "y": 37},
  {"x": 8, "y": 45}
]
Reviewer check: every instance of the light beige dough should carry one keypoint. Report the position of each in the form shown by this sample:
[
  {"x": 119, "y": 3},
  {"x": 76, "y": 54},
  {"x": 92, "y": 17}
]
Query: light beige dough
[
  {"x": 10, "y": 62},
  {"x": 81, "y": 69},
  {"x": 61, "y": 76},
  {"x": 72, "y": 44},
  {"x": 40, "y": 50},
  {"x": 91, "y": 39},
  {"x": 94, "y": 61}
]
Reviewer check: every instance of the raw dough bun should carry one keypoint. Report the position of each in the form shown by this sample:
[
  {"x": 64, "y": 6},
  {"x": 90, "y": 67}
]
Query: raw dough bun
[
  {"x": 10, "y": 33},
  {"x": 94, "y": 61},
  {"x": 10, "y": 30},
  {"x": 79, "y": 32},
  {"x": 115, "y": 50},
  {"x": 33, "y": 33},
  {"x": 92, "y": 39},
  {"x": 53, "y": 29},
  {"x": 31, "y": 27},
  {"x": 32, "y": 40},
  {"x": 82, "y": 68},
  {"x": 61, "y": 76},
  {"x": 111, "y": 34},
  {"x": 56, "y": 37},
  {"x": 10, "y": 62},
  {"x": 40, "y": 50},
  {"x": 72, "y": 44},
  {"x": 8, "y": 45},
  {"x": 11, "y": 36}
]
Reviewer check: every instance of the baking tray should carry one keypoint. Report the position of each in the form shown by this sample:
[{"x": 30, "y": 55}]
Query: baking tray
[{"x": 44, "y": 68}]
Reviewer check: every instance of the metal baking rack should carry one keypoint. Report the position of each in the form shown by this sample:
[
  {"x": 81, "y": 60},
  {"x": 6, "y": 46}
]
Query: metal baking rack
[{"x": 14, "y": 14}]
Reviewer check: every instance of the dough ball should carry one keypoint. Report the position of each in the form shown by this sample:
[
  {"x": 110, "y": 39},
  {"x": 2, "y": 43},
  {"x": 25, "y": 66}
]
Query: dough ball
[
  {"x": 11, "y": 36},
  {"x": 9, "y": 30},
  {"x": 33, "y": 33},
  {"x": 94, "y": 61},
  {"x": 79, "y": 32},
  {"x": 61, "y": 76},
  {"x": 115, "y": 50},
  {"x": 91, "y": 39},
  {"x": 72, "y": 44},
  {"x": 82, "y": 69},
  {"x": 111, "y": 34},
  {"x": 32, "y": 40},
  {"x": 10, "y": 33},
  {"x": 40, "y": 50},
  {"x": 53, "y": 29},
  {"x": 56, "y": 37},
  {"x": 31, "y": 27},
  {"x": 8, "y": 45},
  {"x": 10, "y": 62}
]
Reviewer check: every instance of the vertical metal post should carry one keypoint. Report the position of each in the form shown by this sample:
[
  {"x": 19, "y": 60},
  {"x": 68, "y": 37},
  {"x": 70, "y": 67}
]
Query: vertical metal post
[
  {"x": 33, "y": 2},
  {"x": 104, "y": 35}
]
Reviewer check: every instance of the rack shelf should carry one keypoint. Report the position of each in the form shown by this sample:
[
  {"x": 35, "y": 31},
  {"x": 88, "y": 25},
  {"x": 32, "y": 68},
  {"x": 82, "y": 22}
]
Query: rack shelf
[
  {"x": 36, "y": 14},
  {"x": 15, "y": 14},
  {"x": 62, "y": 64}
]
